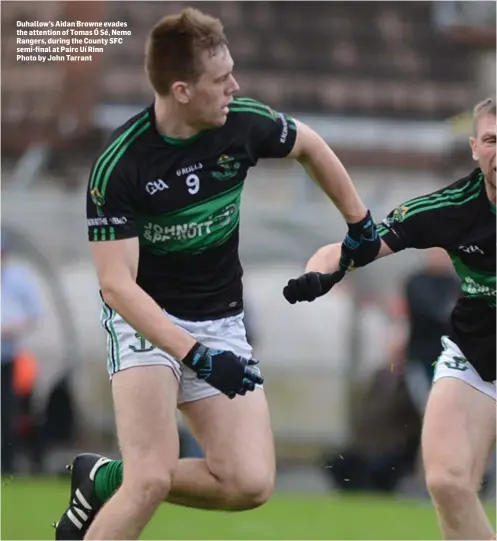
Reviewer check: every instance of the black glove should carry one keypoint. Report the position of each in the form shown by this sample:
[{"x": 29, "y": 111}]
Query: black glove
[
  {"x": 311, "y": 285},
  {"x": 223, "y": 370},
  {"x": 361, "y": 244}
]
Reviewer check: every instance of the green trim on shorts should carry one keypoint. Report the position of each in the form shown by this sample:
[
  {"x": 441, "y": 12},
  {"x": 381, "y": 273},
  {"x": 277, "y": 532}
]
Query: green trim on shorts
[
  {"x": 104, "y": 317},
  {"x": 113, "y": 351}
]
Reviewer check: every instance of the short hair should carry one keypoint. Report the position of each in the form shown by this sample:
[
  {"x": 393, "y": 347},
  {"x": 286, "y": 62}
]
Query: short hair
[
  {"x": 483, "y": 108},
  {"x": 174, "y": 44}
]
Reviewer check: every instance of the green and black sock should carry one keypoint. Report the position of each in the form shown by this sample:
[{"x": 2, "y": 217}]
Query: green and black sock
[{"x": 108, "y": 479}]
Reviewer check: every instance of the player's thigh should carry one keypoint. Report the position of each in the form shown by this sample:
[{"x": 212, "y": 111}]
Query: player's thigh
[
  {"x": 145, "y": 389},
  {"x": 235, "y": 434},
  {"x": 145, "y": 400},
  {"x": 458, "y": 432},
  {"x": 236, "y": 437}
]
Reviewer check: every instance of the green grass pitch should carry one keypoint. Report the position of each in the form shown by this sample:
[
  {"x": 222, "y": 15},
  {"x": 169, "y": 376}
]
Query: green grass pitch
[{"x": 30, "y": 505}]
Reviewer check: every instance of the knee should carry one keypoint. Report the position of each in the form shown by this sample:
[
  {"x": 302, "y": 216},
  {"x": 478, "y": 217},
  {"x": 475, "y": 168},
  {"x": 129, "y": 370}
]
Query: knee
[
  {"x": 450, "y": 488},
  {"x": 249, "y": 489},
  {"x": 149, "y": 488}
]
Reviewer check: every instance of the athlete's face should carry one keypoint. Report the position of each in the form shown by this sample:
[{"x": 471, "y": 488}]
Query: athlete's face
[
  {"x": 483, "y": 147},
  {"x": 213, "y": 91}
]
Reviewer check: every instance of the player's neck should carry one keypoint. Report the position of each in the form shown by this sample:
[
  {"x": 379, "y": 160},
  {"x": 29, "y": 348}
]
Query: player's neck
[
  {"x": 490, "y": 192},
  {"x": 170, "y": 121}
]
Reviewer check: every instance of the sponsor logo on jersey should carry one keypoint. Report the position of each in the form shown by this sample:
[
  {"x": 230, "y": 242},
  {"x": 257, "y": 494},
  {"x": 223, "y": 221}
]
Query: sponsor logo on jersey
[
  {"x": 471, "y": 249},
  {"x": 189, "y": 169},
  {"x": 103, "y": 221},
  {"x": 156, "y": 186},
  {"x": 229, "y": 168},
  {"x": 155, "y": 233},
  {"x": 96, "y": 222},
  {"x": 473, "y": 288}
]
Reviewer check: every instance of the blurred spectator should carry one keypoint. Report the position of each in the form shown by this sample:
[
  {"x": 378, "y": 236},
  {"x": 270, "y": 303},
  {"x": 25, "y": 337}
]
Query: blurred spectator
[
  {"x": 21, "y": 309},
  {"x": 387, "y": 430},
  {"x": 387, "y": 437},
  {"x": 428, "y": 299},
  {"x": 464, "y": 14}
]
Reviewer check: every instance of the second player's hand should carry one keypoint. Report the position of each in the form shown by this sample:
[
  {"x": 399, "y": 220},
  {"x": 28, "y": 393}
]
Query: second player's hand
[
  {"x": 311, "y": 285},
  {"x": 224, "y": 370}
]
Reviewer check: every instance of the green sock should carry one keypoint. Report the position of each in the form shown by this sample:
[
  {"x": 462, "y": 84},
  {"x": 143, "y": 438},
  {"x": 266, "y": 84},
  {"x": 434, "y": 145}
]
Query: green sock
[{"x": 108, "y": 479}]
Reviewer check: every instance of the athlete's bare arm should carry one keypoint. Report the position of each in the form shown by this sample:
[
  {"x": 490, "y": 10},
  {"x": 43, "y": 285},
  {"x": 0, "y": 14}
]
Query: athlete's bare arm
[
  {"x": 326, "y": 259},
  {"x": 116, "y": 262},
  {"x": 321, "y": 164}
]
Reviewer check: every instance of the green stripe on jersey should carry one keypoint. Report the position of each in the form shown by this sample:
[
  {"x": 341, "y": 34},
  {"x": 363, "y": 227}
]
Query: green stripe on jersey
[
  {"x": 249, "y": 102},
  {"x": 381, "y": 230},
  {"x": 104, "y": 233},
  {"x": 119, "y": 154},
  {"x": 182, "y": 142},
  {"x": 453, "y": 194},
  {"x": 236, "y": 109},
  {"x": 110, "y": 151},
  {"x": 249, "y": 105},
  {"x": 441, "y": 203},
  {"x": 193, "y": 229}
]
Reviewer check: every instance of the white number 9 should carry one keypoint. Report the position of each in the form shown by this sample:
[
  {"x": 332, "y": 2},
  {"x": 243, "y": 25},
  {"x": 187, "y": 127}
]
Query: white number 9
[{"x": 193, "y": 183}]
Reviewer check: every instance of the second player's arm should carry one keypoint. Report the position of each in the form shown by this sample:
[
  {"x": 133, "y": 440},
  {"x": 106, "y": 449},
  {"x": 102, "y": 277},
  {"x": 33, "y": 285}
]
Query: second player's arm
[
  {"x": 326, "y": 258},
  {"x": 117, "y": 264},
  {"x": 322, "y": 164}
]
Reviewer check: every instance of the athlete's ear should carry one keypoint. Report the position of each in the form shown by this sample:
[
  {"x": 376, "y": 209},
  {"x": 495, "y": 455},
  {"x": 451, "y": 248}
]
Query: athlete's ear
[
  {"x": 181, "y": 91},
  {"x": 472, "y": 144}
]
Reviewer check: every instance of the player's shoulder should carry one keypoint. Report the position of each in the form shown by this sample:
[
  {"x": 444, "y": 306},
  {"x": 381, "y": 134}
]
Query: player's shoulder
[
  {"x": 464, "y": 184},
  {"x": 118, "y": 152},
  {"x": 126, "y": 136},
  {"x": 120, "y": 147},
  {"x": 132, "y": 126},
  {"x": 448, "y": 197},
  {"x": 245, "y": 109}
]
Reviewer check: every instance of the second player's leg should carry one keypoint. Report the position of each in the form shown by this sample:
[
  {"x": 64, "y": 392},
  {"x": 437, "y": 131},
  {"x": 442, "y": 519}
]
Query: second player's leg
[
  {"x": 458, "y": 434},
  {"x": 145, "y": 406},
  {"x": 239, "y": 468}
]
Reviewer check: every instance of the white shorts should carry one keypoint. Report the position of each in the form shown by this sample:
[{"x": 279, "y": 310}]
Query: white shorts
[
  {"x": 453, "y": 364},
  {"x": 126, "y": 348}
]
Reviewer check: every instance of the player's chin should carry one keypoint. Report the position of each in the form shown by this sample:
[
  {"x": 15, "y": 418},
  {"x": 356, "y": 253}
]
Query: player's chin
[{"x": 219, "y": 120}]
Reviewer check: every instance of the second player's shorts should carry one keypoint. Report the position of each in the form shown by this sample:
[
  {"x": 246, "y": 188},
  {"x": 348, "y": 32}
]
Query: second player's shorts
[
  {"x": 453, "y": 364},
  {"x": 126, "y": 348}
]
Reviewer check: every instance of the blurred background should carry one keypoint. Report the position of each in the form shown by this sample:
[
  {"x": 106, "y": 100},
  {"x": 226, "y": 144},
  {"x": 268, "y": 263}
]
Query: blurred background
[{"x": 390, "y": 86}]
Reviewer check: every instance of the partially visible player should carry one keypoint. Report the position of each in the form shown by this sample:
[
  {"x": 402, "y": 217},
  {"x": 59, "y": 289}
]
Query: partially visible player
[
  {"x": 459, "y": 425},
  {"x": 163, "y": 209}
]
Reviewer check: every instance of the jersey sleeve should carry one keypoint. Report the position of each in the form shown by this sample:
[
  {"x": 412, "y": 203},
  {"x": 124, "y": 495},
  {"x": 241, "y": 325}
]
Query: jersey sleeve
[
  {"x": 411, "y": 226},
  {"x": 271, "y": 134},
  {"x": 110, "y": 210}
]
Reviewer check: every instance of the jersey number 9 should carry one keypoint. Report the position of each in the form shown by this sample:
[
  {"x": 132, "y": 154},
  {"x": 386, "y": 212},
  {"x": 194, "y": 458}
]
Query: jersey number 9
[{"x": 193, "y": 183}]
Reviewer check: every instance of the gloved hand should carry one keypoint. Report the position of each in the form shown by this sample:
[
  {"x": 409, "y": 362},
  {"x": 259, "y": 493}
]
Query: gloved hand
[
  {"x": 311, "y": 285},
  {"x": 224, "y": 370},
  {"x": 361, "y": 244}
]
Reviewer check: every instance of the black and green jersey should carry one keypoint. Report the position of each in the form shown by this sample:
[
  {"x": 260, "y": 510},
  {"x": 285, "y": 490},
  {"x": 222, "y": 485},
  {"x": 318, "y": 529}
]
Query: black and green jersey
[
  {"x": 181, "y": 198},
  {"x": 461, "y": 219}
]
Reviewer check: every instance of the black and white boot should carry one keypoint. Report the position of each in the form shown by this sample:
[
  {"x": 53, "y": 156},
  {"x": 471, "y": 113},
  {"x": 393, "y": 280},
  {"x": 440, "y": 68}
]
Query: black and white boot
[{"x": 83, "y": 504}]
